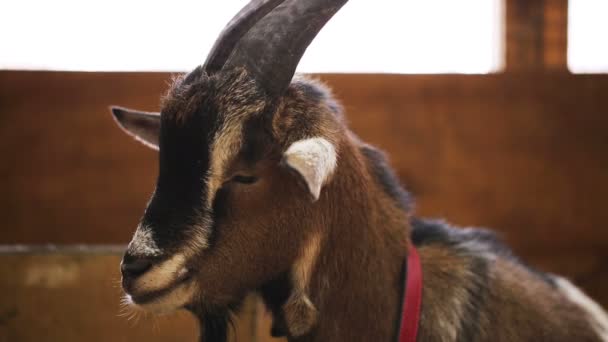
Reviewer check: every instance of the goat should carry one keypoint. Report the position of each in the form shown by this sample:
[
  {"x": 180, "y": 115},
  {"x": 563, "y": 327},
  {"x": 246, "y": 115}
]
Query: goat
[{"x": 263, "y": 188}]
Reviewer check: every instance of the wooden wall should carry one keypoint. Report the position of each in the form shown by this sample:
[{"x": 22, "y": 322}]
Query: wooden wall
[
  {"x": 72, "y": 295},
  {"x": 524, "y": 152}
]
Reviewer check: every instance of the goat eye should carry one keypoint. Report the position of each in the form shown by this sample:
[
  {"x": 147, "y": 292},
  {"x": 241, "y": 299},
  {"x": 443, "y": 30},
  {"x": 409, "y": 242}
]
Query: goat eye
[{"x": 244, "y": 179}]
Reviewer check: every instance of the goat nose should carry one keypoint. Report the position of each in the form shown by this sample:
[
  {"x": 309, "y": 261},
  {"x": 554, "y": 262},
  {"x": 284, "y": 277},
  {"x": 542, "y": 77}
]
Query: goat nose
[{"x": 133, "y": 267}]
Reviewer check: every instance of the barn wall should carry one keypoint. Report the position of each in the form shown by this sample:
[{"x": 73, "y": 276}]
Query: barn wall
[{"x": 522, "y": 153}]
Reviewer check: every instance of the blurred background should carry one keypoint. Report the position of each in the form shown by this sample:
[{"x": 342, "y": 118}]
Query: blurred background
[{"x": 494, "y": 113}]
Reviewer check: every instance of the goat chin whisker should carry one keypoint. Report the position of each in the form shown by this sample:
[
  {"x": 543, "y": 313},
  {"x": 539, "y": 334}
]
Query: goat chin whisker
[
  {"x": 155, "y": 324},
  {"x": 132, "y": 313},
  {"x": 117, "y": 283}
]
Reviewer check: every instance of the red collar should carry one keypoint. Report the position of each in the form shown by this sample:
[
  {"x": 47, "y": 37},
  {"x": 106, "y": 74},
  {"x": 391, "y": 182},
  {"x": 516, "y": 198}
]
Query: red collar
[{"x": 412, "y": 298}]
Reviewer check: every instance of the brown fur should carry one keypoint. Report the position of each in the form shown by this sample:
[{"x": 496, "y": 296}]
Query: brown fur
[
  {"x": 356, "y": 284},
  {"x": 349, "y": 287},
  {"x": 365, "y": 238},
  {"x": 511, "y": 303}
]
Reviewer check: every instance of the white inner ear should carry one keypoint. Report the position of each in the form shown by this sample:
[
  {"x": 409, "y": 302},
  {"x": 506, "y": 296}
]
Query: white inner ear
[{"x": 315, "y": 159}]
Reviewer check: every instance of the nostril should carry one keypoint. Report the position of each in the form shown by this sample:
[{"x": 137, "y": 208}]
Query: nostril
[{"x": 135, "y": 267}]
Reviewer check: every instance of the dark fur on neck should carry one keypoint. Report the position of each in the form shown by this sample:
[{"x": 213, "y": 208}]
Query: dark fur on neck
[{"x": 213, "y": 323}]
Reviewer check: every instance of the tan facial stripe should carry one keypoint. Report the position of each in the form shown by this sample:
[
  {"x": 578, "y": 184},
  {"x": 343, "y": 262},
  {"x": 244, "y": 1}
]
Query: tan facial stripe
[
  {"x": 162, "y": 275},
  {"x": 199, "y": 237},
  {"x": 177, "y": 298},
  {"x": 227, "y": 144}
]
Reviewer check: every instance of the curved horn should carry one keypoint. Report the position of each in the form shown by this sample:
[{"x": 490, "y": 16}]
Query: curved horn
[
  {"x": 272, "y": 49},
  {"x": 236, "y": 28}
]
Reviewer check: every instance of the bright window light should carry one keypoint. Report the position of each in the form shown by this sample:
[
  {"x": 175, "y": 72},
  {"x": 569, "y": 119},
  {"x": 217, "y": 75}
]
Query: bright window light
[
  {"x": 392, "y": 36},
  {"x": 587, "y": 36}
]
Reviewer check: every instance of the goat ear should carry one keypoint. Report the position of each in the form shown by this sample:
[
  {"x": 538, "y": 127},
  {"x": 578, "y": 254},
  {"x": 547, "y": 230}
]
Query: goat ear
[
  {"x": 314, "y": 159},
  {"x": 143, "y": 126}
]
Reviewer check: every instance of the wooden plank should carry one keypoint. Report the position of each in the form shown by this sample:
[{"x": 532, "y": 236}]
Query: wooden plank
[
  {"x": 74, "y": 296},
  {"x": 536, "y": 35},
  {"x": 523, "y": 153},
  {"x": 524, "y": 35},
  {"x": 555, "y": 35}
]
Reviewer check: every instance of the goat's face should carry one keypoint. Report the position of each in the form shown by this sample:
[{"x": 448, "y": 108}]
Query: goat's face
[{"x": 236, "y": 190}]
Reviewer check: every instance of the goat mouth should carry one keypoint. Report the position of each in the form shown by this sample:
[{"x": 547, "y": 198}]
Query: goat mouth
[{"x": 150, "y": 297}]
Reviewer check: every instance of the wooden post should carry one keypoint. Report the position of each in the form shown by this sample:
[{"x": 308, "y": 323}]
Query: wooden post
[
  {"x": 556, "y": 35},
  {"x": 536, "y": 35}
]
